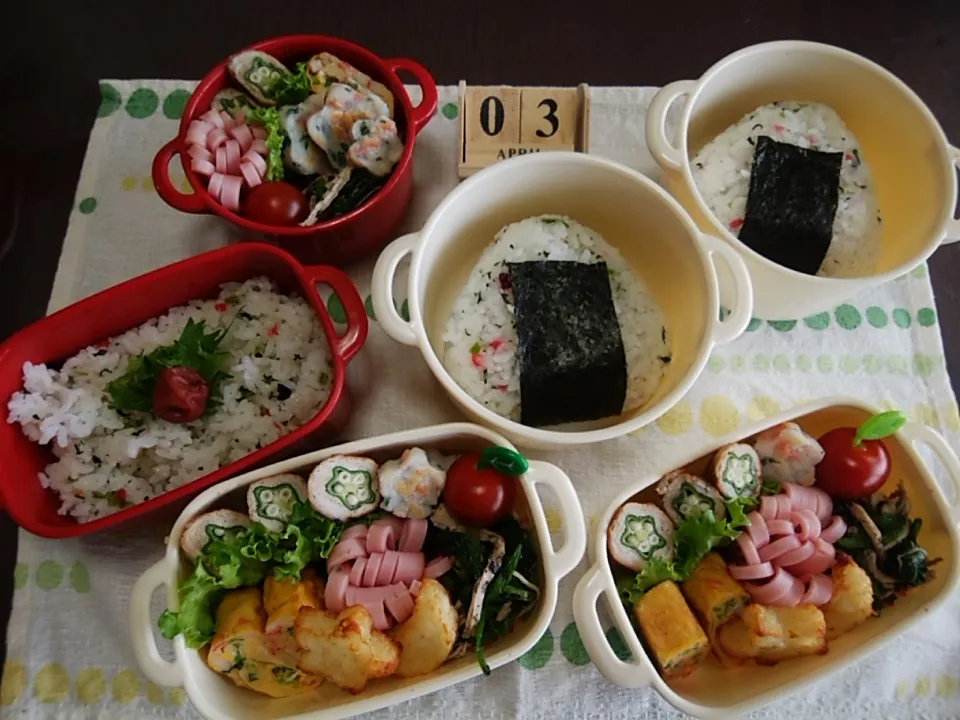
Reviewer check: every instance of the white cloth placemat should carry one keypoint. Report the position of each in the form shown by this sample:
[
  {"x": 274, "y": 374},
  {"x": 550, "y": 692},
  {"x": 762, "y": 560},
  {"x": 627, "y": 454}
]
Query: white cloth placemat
[{"x": 68, "y": 649}]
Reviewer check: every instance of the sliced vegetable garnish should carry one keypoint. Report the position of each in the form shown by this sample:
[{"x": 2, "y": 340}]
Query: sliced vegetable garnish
[
  {"x": 880, "y": 426},
  {"x": 269, "y": 118},
  {"x": 503, "y": 460}
]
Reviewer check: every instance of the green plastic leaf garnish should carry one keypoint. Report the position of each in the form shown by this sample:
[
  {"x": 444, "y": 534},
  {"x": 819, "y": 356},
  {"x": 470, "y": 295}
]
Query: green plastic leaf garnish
[
  {"x": 269, "y": 118},
  {"x": 880, "y": 426},
  {"x": 503, "y": 460}
]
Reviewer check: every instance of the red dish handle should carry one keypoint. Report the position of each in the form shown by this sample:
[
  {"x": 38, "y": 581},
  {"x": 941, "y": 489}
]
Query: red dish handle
[
  {"x": 161, "y": 180},
  {"x": 428, "y": 105},
  {"x": 356, "y": 333}
]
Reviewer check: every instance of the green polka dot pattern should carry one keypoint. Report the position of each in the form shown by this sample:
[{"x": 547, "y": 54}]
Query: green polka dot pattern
[
  {"x": 820, "y": 321},
  {"x": 571, "y": 645},
  {"x": 540, "y": 654},
  {"x": 449, "y": 111},
  {"x": 754, "y": 324},
  {"x": 926, "y": 317},
  {"x": 142, "y": 103},
  {"x": 782, "y": 325},
  {"x": 110, "y": 100},
  {"x": 848, "y": 317},
  {"x": 901, "y": 317},
  {"x": 174, "y": 103},
  {"x": 335, "y": 308},
  {"x": 87, "y": 205},
  {"x": 876, "y": 317}
]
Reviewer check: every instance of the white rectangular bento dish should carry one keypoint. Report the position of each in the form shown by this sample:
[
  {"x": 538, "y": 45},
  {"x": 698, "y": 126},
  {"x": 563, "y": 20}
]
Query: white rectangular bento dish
[
  {"x": 218, "y": 699},
  {"x": 713, "y": 691}
]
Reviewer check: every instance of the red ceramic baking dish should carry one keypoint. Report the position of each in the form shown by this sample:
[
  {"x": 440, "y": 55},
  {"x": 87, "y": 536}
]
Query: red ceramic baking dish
[
  {"x": 125, "y": 306},
  {"x": 351, "y": 236}
]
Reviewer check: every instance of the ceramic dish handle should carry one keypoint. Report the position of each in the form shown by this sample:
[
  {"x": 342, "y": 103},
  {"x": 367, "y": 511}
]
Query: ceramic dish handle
[
  {"x": 664, "y": 152},
  {"x": 162, "y": 672},
  {"x": 561, "y": 562},
  {"x": 381, "y": 289},
  {"x": 428, "y": 86},
  {"x": 919, "y": 434},
  {"x": 357, "y": 326},
  {"x": 165, "y": 189},
  {"x": 735, "y": 323},
  {"x": 953, "y": 227},
  {"x": 585, "y": 599}
]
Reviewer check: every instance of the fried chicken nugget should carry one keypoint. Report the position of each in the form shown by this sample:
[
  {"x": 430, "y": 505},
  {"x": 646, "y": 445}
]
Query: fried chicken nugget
[
  {"x": 852, "y": 600},
  {"x": 346, "y": 648},
  {"x": 427, "y": 637}
]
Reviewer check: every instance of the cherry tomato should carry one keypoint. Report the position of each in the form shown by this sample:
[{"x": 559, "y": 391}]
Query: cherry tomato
[
  {"x": 478, "y": 497},
  {"x": 856, "y": 462},
  {"x": 275, "y": 203},
  {"x": 180, "y": 395}
]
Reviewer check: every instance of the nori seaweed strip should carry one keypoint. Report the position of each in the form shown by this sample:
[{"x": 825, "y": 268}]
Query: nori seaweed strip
[
  {"x": 359, "y": 188},
  {"x": 793, "y": 199},
  {"x": 572, "y": 363}
]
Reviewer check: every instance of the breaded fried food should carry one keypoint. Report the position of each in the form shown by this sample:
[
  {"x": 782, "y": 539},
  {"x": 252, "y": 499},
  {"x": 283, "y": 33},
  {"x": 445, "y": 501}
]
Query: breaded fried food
[
  {"x": 852, "y": 600},
  {"x": 427, "y": 637},
  {"x": 346, "y": 648},
  {"x": 670, "y": 629},
  {"x": 771, "y": 634}
]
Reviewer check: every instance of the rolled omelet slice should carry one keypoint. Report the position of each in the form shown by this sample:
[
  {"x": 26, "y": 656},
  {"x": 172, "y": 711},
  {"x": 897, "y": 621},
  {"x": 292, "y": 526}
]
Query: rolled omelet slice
[
  {"x": 283, "y": 600},
  {"x": 672, "y": 632},
  {"x": 241, "y": 649},
  {"x": 714, "y": 595}
]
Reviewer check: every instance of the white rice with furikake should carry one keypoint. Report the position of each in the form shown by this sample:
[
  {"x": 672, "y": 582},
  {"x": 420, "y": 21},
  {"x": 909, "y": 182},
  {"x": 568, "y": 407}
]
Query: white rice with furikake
[
  {"x": 482, "y": 351},
  {"x": 722, "y": 171},
  {"x": 268, "y": 363}
]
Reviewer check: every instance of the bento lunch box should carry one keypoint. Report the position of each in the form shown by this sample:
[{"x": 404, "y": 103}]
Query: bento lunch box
[
  {"x": 714, "y": 691},
  {"x": 219, "y": 699},
  {"x": 127, "y": 305}
]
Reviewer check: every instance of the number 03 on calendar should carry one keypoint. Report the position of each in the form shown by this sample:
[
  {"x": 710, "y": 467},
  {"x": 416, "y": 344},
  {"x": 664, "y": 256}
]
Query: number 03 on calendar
[{"x": 500, "y": 122}]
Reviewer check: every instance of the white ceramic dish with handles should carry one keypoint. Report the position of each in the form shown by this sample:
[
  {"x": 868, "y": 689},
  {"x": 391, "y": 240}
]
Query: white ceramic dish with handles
[
  {"x": 219, "y": 699},
  {"x": 713, "y": 691},
  {"x": 677, "y": 263},
  {"x": 911, "y": 161}
]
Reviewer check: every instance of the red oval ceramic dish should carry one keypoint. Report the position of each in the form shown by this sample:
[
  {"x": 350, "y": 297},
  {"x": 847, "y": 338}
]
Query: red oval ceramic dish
[
  {"x": 349, "y": 237},
  {"x": 122, "y": 307}
]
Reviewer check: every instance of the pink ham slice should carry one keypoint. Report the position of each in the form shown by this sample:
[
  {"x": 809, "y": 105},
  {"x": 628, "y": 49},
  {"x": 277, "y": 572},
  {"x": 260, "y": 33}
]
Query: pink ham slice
[
  {"x": 354, "y": 531},
  {"x": 242, "y": 134},
  {"x": 202, "y": 167},
  {"x": 784, "y": 506},
  {"x": 228, "y": 122},
  {"x": 233, "y": 156},
  {"x": 392, "y": 521},
  {"x": 259, "y": 147},
  {"x": 412, "y": 536},
  {"x": 752, "y": 572},
  {"x": 335, "y": 594},
  {"x": 381, "y": 621},
  {"x": 221, "y": 160},
  {"x": 356, "y": 572},
  {"x": 768, "y": 507},
  {"x": 261, "y": 165},
  {"x": 437, "y": 567},
  {"x": 824, "y": 505},
  {"x": 259, "y": 133},
  {"x": 778, "y": 547},
  {"x": 779, "y": 527},
  {"x": 380, "y": 538},
  {"x": 758, "y": 530},
  {"x": 770, "y": 592},
  {"x": 415, "y": 587},
  {"x": 808, "y": 524},
  {"x": 372, "y": 570},
  {"x": 250, "y": 175},
  {"x": 401, "y": 605},
  {"x": 388, "y": 568},
  {"x": 794, "y": 595},
  {"x": 819, "y": 590},
  {"x": 834, "y": 531},
  {"x": 821, "y": 560},
  {"x": 749, "y": 550},
  {"x": 345, "y": 551},
  {"x": 200, "y": 152},
  {"x": 410, "y": 566},
  {"x": 198, "y": 131},
  {"x": 795, "y": 557},
  {"x": 213, "y": 118},
  {"x": 216, "y": 138},
  {"x": 215, "y": 185}
]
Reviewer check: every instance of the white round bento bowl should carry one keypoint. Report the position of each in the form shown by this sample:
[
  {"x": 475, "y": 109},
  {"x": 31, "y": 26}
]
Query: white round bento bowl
[
  {"x": 713, "y": 691},
  {"x": 218, "y": 699},
  {"x": 676, "y": 262},
  {"x": 911, "y": 161}
]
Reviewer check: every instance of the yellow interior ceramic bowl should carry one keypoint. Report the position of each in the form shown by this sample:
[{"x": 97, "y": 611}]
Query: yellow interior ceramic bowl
[
  {"x": 714, "y": 691},
  {"x": 909, "y": 156},
  {"x": 676, "y": 262}
]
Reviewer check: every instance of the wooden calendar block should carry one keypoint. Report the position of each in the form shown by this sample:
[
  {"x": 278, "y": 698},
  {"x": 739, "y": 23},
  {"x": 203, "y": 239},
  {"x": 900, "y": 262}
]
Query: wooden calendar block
[
  {"x": 492, "y": 116},
  {"x": 548, "y": 117},
  {"x": 497, "y": 123}
]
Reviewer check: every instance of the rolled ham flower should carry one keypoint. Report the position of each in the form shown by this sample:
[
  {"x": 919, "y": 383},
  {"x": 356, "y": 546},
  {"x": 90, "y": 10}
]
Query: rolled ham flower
[
  {"x": 381, "y": 567},
  {"x": 788, "y": 546},
  {"x": 228, "y": 154}
]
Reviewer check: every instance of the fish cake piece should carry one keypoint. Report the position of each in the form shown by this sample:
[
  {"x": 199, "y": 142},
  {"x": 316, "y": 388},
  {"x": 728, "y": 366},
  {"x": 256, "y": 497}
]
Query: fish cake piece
[
  {"x": 205, "y": 528},
  {"x": 411, "y": 485},
  {"x": 672, "y": 632},
  {"x": 852, "y": 600},
  {"x": 713, "y": 593},
  {"x": 326, "y": 68},
  {"x": 686, "y": 496},
  {"x": 272, "y": 500},
  {"x": 427, "y": 636},
  {"x": 345, "y": 649},
  {"x": 343, "y": 487},
  {"x": 788, "y": 454},
  {"x": 638, "y": 533}
]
